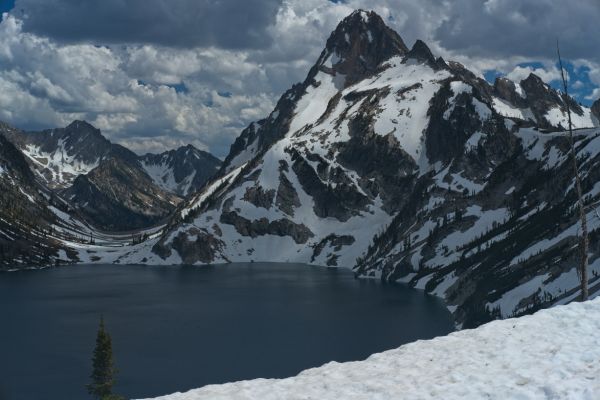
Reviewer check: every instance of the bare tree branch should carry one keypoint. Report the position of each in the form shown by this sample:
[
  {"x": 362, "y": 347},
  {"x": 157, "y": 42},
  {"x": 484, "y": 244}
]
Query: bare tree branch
[{"x": 584, "y": 240}]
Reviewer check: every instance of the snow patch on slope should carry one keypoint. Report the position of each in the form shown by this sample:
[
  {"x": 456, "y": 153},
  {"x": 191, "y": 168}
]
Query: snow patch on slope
[
  {"x": 314, "y": 102},
  {"x": 558, "y": 117},
  {"x": 506, "y": 109},
  {"x": 163, "y": 175},
  {"x": 210, "y": 189},
  {"x": 63, "y": 167},
  {"x": 404, "y": 110}
]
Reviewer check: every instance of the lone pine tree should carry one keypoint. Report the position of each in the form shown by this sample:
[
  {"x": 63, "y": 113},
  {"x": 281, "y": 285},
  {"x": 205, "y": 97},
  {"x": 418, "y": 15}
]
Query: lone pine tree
[{"x": 103, "y": 373}]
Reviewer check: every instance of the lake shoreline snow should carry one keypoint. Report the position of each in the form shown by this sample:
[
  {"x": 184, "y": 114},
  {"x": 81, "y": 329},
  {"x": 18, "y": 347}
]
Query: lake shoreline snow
[{"x": 554, "y": 353}]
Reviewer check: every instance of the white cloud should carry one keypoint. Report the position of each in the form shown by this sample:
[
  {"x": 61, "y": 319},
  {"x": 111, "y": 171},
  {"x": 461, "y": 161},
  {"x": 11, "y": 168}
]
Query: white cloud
[
  {"x": 45, "y": 84},
  {"x": 595, "y": 95},
  {"x": 593, "y": 69},
  {"x": 127, "y": 90},
  {"x": 548, "y": 74},
  {"x": 527, "y": 28}
]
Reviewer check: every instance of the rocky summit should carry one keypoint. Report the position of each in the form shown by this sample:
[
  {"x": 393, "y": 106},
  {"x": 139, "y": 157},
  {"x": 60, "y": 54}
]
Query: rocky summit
[{"x": 406, "y": 168}]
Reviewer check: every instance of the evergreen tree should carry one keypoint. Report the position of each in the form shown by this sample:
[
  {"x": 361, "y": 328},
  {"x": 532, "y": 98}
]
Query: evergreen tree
[{"x": 103, "y": 369}]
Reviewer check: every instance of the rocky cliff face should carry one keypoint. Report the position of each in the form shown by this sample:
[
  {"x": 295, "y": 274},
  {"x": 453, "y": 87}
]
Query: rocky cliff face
[
  {"x": 406, "y": 168},
  {"x": 119, "y": 196},
  {"x": 596, "y": 110},
  {"x": 26, "y": 216}
]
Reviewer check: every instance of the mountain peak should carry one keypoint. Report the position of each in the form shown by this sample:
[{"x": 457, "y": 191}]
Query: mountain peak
[
  {"x": 82, "y": 126},
  {"x": 359, "y": 44},
  {"x": 534, "y": 83},
  {"x": 533, "y": 79},
  {"x": 535, "y": 86},
  {"x": 185, "y": 150},
  {"x": 421, "y": 52},
  {"x": 361, "y": 30},
  {"x": 543, "y": 97},
  {"x": 192, "y": 148}
]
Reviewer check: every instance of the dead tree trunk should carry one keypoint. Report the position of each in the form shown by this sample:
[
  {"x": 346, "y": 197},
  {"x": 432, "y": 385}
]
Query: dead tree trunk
[{"x": 583, "y": 241}]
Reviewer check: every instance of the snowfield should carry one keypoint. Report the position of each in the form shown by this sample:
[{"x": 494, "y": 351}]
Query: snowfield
[{"x": 553, "y": 354}]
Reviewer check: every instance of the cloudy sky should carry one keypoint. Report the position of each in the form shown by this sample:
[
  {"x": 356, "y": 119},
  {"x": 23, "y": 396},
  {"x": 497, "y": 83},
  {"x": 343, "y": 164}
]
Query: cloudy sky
[{"x": 157, "y": 74}]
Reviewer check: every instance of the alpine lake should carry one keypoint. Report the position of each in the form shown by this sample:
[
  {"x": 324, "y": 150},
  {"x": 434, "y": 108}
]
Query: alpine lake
[{"x": 179, "y": 328}]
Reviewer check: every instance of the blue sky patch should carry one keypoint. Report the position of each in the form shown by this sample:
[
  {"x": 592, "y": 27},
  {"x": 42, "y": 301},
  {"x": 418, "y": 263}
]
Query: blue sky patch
[
  {"x": 6, "y": 5},
  {"x": 179, "y": 87}
]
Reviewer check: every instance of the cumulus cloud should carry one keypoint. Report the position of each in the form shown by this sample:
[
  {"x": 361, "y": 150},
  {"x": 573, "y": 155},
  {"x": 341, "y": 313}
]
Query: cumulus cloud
[
  {"x": 595, "y": 95},
  {"x": 521, "y": 27},
  {"x": 548, "y": 74},
  {"x": 593, "y": 69},
  {"x": 126, "y": 92},
  {"x": 155, "y": 74}
]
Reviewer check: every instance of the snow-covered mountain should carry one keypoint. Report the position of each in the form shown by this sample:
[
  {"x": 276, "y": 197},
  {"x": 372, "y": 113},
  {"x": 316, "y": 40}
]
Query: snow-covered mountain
[
  {"x": 37, "y": 226},
  {"x": 60, "y": 155},
  {"x": 181, "y": 171},
  {"x": 406, "y": 168},
  {"x": 112, "y": 187},
  {"x": 400, "y": 165}
]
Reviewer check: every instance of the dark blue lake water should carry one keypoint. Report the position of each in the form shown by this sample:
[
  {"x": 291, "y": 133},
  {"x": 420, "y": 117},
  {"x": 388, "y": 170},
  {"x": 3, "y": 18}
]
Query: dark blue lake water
[{"x": 178, "y": 328}]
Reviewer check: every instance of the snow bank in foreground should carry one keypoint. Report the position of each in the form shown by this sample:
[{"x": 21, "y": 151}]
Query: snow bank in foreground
[{"x": 553, "y": 354}]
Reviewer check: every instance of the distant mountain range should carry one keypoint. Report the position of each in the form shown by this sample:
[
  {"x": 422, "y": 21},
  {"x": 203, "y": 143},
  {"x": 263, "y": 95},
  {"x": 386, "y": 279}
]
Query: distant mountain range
[
  {"x": 101, "y": 183},
  {"x": 385, "y": 159}
]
